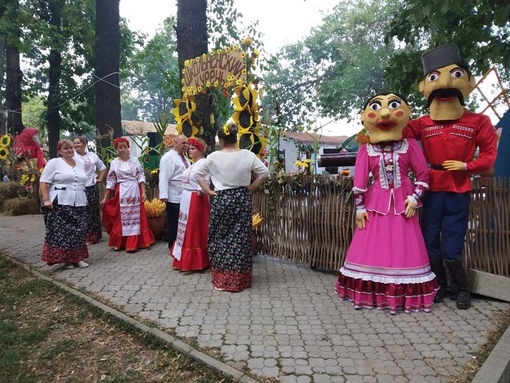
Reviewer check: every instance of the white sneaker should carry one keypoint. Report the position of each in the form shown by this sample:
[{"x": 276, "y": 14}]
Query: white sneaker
[
  {"x": 69, "y": 266},
  {"x": 82, "y": 264}
]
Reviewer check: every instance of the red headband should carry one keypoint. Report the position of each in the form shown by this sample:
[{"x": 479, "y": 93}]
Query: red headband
[
  {"x": 197, "y": 144},
  {"x": 120, "y": 140}
]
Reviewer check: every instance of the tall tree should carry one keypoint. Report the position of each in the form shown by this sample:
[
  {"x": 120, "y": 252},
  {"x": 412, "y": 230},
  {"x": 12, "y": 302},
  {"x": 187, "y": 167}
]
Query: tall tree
[
  {"x": 10, "y": 11},
  {"x": 14, "y": 77},
  {"x": 333, "y": 70},
  {"x": 154, "y": 75},
  {"x": 192, "y": 42},
  {"x": 107, "y": 66},
  {"x": 3, "y": 120},
  {"x": 51, "y": 13}
]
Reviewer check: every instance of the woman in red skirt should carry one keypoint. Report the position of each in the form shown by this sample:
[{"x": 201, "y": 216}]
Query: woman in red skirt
[
  {"x": 124, "y": 214},
  {"x": 190, "y": 248}
]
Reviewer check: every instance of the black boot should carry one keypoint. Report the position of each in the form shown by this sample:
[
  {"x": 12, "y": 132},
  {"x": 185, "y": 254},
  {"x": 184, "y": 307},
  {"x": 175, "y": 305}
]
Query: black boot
[
  {"x": 458, "y": 274},
  {"x": 437, "y": 266}
]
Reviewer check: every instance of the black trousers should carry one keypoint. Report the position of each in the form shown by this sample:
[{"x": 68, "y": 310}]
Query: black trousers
[{"x": 172, "y": 220}]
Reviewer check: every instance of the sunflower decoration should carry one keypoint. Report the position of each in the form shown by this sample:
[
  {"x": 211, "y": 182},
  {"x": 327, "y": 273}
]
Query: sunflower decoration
[
  {"x": 183, "y": 113},
  {"x": 246, "y": 116},
  {"x": 5, "y": 141},
  {"x": 4, "y": 152}
]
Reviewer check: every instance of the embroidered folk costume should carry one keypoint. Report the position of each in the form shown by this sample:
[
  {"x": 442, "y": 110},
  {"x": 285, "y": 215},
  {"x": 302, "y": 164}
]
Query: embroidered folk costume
[
  {"x": 190, "y": 247},
  {"x": 386, "y": 265},
  {"x": 124, "y": 214}
]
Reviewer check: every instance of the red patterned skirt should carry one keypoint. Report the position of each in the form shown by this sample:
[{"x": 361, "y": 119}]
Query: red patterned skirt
[{"x": 113, "y": 224}]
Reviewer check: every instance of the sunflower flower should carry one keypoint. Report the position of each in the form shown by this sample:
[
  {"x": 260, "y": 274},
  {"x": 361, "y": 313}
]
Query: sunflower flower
[
  {"x": 4, "y": 153},
  {"x": 5, "y": 140}
]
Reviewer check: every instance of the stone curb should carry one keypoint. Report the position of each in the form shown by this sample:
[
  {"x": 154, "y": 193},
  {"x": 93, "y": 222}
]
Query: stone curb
[
  {"x": 496, "y": 369},
  {"x": 173, "y": 342}
]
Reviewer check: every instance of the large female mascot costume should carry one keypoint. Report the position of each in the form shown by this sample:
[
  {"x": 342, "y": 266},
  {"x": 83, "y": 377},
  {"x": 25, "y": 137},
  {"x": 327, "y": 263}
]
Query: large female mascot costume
[
  {"x": 386, "y": 266},
  {"x": 450, "y": 136}
]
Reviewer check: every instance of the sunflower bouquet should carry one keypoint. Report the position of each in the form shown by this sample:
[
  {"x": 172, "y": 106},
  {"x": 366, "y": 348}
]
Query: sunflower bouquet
[{"x": 154, "y": 208}]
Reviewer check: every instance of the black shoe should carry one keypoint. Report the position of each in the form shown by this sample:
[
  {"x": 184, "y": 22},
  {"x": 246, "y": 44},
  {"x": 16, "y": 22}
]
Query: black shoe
[
  {"x": 463, "y": 300},
  {"x": 441, "y": 294}
]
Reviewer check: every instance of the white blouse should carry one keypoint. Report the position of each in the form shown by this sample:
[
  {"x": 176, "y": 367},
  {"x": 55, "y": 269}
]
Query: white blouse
[
  {"x": 66, "y": 182},
  {"x": 230, "y": 170},
  {"x": 92, "y": 162}
]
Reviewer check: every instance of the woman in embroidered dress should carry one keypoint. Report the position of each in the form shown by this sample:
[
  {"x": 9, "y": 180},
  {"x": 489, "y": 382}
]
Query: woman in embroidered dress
[
  {"x": 387, "y": 266},
  {"x": 190, "y": 248},
  {"x": 124, "y": 214},
  {"x": 92, "y": 164},
  {"x": 62, "y": 190},
  {"x": 230, "y": 232}
]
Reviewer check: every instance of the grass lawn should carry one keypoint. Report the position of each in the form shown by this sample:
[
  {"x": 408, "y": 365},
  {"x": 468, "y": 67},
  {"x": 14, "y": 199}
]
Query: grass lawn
[{"x": 49, "y": 335}]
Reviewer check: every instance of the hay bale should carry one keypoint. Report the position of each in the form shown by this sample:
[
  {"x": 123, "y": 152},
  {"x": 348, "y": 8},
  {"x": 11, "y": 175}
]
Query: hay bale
[
  {"x": 20, "y": 206},
  {"x": 10, "y": 189}
]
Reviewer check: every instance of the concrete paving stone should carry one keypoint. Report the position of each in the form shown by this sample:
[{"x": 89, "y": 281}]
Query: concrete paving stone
[{"x": 284, "y": 294}]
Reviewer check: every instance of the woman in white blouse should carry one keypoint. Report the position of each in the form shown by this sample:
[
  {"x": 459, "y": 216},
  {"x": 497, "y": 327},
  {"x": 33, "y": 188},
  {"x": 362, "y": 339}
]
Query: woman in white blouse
[
  {"x": 62, "y": 189},
  {"x": 92, "y": 164},
  {"x": 230, "y": 220}
]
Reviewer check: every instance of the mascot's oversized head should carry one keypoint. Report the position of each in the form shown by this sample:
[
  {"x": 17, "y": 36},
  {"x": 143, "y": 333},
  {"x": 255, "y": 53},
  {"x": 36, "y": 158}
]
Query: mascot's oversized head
[
  {"x": 385, "y": 116},
  {"x": 447, "y": 83}
]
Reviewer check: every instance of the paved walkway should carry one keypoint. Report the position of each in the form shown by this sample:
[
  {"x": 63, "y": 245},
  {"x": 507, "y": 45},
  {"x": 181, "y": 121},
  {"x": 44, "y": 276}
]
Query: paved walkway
[{"x": 288, "y": 326}]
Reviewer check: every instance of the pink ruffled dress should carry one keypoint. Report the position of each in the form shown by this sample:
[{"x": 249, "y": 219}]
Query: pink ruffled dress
[{"x": 387, "y": 266}]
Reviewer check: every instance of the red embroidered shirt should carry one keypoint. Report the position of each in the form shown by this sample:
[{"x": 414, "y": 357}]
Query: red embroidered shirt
[{"x": 455, "y": 140}]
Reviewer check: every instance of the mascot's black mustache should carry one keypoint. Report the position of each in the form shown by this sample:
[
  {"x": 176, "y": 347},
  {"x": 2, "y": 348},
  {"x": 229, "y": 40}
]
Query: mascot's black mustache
[{"x": 445, "y": 93}]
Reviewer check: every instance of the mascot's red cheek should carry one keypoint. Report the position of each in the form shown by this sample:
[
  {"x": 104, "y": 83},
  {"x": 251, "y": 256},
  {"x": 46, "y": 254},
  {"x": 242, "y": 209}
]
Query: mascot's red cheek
[
  {"x": 371, "y": 115},
  {"x": 399, "y": 113}
]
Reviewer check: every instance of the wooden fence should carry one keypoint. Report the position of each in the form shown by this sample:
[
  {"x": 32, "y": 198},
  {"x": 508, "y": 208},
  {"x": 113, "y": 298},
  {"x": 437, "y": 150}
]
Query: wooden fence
[{"x": 310, "y": 220}]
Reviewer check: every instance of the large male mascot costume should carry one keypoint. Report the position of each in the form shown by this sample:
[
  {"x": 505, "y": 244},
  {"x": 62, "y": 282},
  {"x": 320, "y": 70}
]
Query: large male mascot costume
[{"x": 450, "y": 136}]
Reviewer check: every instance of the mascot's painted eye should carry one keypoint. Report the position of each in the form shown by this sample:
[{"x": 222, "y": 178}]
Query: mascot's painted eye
[
  {"x": 375, "y": 105},
  {"x": 394, "y": 104},
  {"x": 457, "y": 73},
  {"x": 433, "y": 76}
]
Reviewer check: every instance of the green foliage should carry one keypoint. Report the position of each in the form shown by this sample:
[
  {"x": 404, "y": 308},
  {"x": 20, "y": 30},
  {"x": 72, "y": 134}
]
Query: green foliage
[
  {"x": 480, "y": 28},
  {"x": 334, "y": 70},
  {"x": 154, "y": 74}
]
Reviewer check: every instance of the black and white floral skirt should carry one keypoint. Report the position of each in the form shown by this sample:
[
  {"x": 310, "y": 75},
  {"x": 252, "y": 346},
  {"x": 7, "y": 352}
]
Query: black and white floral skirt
[
  {"x": 230, "y": 239},
  {"x": 65, "y": 234}
]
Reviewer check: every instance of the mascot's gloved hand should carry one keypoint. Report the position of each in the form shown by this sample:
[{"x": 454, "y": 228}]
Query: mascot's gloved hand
[
  {"x": 410, "y": 207},
  {"x": 453, "y": 165},
  {"x": 361, "y": 219}
]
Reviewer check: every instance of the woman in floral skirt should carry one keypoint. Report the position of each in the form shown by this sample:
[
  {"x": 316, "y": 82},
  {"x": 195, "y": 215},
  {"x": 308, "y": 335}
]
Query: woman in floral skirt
[
  {"x": 62, "y": 189},
  {"x": 230, "y": 233}
]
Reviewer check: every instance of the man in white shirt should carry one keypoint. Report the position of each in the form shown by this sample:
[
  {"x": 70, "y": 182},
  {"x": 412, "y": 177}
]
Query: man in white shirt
[{"x": 171, "y": 168}]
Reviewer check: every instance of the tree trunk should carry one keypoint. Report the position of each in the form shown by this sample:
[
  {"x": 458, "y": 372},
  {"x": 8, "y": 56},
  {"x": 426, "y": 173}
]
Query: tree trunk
[
  {"x": 3, "y": 120},
  {"x": 192, "y": 42},
  {"x": 55, "y": 61},
  {"x": 14, "y": 76},
  {"x": 107, "y": 56}
]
